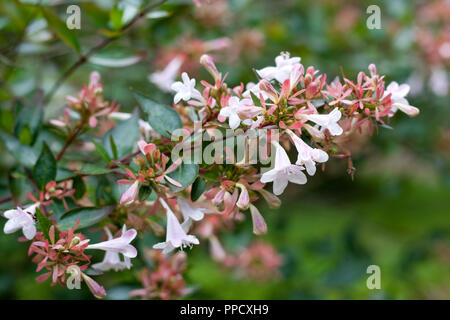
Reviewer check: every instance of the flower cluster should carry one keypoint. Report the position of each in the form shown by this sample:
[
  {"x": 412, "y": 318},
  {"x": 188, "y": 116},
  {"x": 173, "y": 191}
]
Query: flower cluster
[{"x": 296, "y": 109}]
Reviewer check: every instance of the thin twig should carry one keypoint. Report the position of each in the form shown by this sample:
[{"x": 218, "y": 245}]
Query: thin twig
[
  {"x": 70, "y": 140},
  {"x": 84, "y": 58},
  {"x": 6, "y": 199}
]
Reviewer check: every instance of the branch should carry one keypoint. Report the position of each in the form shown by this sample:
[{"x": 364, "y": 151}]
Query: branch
[
  {"x": 84, "y": 58},
  {"x": 70, "y": 140}
]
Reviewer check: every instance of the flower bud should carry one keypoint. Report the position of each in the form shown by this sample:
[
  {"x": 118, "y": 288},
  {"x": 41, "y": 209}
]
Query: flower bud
[
  {"x": 409, "y": 110},
  {"x": 259, "y": 225},
  {"x": 97, "y": 290},
  {"x": 208, "y": 63}
]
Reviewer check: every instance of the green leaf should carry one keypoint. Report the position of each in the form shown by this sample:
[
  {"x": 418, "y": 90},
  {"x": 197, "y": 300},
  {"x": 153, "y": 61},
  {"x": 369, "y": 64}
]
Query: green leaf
[
  {"x": 163, "y": 120},
  {"x": 93, "y": 170},
  {"x": 25, "y": 135},
  {"x": 64, "y": 174},
  {"x": 44, "y": 223},
  {"x": 44, "y": 170},
  {"x": 115, "y": 17},
  {"x": 79, "y": 186},
  {"x": 102, "y": 151},
  {"x": 255, "y": 99},
  {"x": 198, "y": 187},
  {"x": 88, "y": 216},
  {"x": 61, "y": 30},
  {"x": 25, "y": 155},
  {"x": 185, "y": 174},
  {"x": 113, "y": 147},
  {"x": 144, "y": 192},
  {"x": 125, "y": 134}
]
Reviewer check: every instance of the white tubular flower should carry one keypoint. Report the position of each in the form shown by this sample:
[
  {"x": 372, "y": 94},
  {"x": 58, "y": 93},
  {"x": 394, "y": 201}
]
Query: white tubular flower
[
  {"x": 307, "y": 155},
  {"x": 282, "y": 69},
  {"x": 175, "y": 235},
  {"x": 328, "y": 121},
  {"x": 283, "y": 172},
  {"x": 119, "y": 245},
  {"x": 398, "y": 94},
  {"x": 21, "y": 219},
  {"x": 112, "y": 260}
]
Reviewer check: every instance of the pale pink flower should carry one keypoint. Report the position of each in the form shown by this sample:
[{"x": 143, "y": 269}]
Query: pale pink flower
[
  {"x": 166, "y": 77},
  {"x": 21, "y": 219},
  {"x": 176, "y": 237},
  {"x": 307, "y": 155},
  {"x": 328, "y": 121},
  {"x": 191, "y": 211},
  {"x": 282, "y": 70},
  {"x": 112, "y": 260},
  {"x": 119, "y": 245},
  {"x": 283, "y": 172}
]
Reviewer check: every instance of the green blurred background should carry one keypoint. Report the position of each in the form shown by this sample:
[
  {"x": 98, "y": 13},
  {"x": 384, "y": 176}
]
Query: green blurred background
[{"x": 394, "y": 214}]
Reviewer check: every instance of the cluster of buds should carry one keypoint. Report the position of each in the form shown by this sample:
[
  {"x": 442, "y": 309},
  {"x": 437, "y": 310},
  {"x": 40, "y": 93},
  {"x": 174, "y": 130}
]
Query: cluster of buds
[
  {"x": 164, "y": 280},
  {"x": 58, "y": 252},
  {"x": 89, "y": 104},
  {"x": 152, "y": 172}
]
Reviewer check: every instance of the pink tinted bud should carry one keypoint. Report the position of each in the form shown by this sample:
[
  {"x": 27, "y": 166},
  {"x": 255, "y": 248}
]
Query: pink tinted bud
[
  {"x": 372, "y": 69},
  {"x": 296, "y": 73},
  {"x": 409, "y": 110},
  {"x": 208, "y": 62},
  {"x": 131, "y": 194},
  {"x": 97, "y": 290},
  {"x": 267, "y": 87},
  {"x": 272, "y": 200},
  {"x": 216, "y": 249},
  {"x": 244, "y": 198},
  {"x": 259, "y": 225}
]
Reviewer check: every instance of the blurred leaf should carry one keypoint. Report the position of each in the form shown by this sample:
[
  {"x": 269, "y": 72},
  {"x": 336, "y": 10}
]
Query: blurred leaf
[
  {"x": 25, "y": 155},
  {"x": 102, "y": 151},
  {"x": 161, "y": 118},
  {"x": 115, "y": 17},
  {"x": 113, "y": 147},
  {"x": 185, "y": 174},
  {"x": 61, "y": 30},
  {"x": 144, "y": 192},
  {"x": 93, "y": 170},
  {"x": 198, "y": 188},
  {"x": 64, "y": 174},
  {"x": 125, "y": 134},
  {"x": 44, "y": 170},
  {"x": 88, "y": 216},
  {"x": 25, "y": 135},
  {"x": 79, "y": 186},
  {"x": 44, "y": 223}
]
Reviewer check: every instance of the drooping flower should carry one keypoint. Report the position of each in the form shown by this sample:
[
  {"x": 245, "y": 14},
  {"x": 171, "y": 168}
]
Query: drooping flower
[
  {"x": 21, "y": 219},
  {"x": 185, "y": 90},
  {"x": 165, "y": 78},
  {"x": 328, "y": 121},
  {"x": 190, "y": 211},
  {"x": 307, "y": 155},
  {"x": 112, "y": 259},
  {"x": 119, "y": 245},
  {"x": 398, "y": 94},
  {"x": 175, "y": 235},
  {"x": 282, "y": 69},
  {"x": 283, "y": 172}
]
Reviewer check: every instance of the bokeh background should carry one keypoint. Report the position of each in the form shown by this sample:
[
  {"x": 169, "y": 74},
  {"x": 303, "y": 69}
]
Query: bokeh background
[{"x": 395, "y": 213}]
